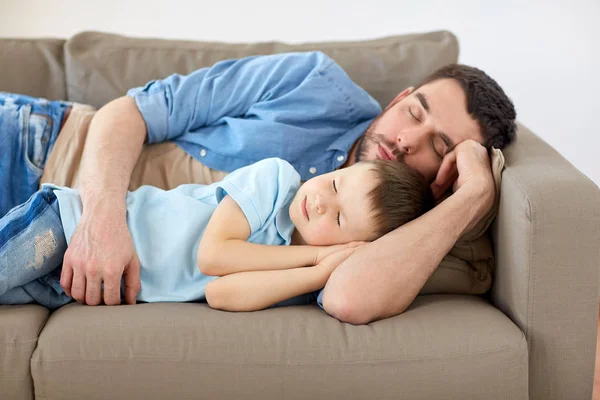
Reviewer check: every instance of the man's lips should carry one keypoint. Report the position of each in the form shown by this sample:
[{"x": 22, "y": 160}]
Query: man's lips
[
  {"x": 384, "y": 153},
  {"x": 304, "y": 210}
]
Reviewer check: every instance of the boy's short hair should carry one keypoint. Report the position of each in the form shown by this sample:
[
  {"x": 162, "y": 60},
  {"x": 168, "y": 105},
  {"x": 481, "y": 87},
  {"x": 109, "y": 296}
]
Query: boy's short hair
[{"x": 401, "y": 194}]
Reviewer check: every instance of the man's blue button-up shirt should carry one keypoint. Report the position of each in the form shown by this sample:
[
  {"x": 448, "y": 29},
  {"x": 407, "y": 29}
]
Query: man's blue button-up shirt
[{"x": 301, "y": 107}]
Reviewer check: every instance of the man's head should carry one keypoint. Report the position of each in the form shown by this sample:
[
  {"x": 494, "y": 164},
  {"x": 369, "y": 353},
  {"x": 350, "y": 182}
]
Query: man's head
[
  {"x": 420, "y": 126},
  {"x": 360, "y": 203}
]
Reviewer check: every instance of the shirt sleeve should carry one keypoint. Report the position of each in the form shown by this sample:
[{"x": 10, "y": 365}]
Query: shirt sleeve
[
  {"x": 182, "y": 103},
  {"x": 319, "y": 296},
  {"x": 260, "y": 189}
]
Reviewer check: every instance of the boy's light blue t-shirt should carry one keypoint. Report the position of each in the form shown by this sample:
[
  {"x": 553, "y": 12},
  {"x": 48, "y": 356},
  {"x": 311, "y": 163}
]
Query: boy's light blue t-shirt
[{"x": 166, "y": 226}]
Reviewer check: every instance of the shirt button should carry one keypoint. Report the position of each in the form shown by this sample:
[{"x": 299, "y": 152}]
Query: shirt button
[
  {"x": 340, "y": 158},
  {"x": 312, "y": 170},
  {"x": 202, "y": 152}
]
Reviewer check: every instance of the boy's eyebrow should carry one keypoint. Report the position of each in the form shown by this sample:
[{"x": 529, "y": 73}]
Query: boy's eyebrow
[{"x": 423, "y": 100}]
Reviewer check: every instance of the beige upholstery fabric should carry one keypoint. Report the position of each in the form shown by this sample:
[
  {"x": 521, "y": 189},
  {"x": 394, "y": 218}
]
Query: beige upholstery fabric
[
  {"x": 101, "y": 67},
  {"x": 19, "y": 330},
  {"x": 546, "y": 242},
  {"x": 443, "y": 347},
  {"x": 34, "y": 67}
]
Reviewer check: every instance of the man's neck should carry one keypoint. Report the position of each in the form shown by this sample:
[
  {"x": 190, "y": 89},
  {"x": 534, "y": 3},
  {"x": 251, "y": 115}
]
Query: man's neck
[{"x": 351, "y": 160}]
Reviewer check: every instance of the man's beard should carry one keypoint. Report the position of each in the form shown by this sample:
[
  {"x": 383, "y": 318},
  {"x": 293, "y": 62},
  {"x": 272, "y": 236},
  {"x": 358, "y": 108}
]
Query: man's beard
[{"x": 370, "y": 139}]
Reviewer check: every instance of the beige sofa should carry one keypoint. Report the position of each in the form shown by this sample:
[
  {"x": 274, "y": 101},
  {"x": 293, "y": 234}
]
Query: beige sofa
[{"x": 532, "y": 335}]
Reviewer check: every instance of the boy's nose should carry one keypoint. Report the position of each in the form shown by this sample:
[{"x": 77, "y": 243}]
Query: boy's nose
[{"x": 320, "y": 204}]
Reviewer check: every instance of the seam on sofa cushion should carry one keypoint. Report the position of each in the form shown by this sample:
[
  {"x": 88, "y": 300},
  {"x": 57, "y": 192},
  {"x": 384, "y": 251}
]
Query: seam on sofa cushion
[
  {"x": 451, "y": 357},
  {"x": 531, "y": 285}
]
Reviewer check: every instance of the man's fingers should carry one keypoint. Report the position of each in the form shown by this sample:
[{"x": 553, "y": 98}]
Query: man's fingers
[
  {"x": 93, "y": 290},
  {"x": 78, "y": 287},
  {"x": 446, "y": 176},
  {"x": 132, "y": 280},
  {"x": 66, "y": 278},
  {"x": 112, "y": 290}
]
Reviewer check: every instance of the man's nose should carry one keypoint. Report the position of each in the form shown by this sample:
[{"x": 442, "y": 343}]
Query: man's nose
[{"x": 409, "y": 141}]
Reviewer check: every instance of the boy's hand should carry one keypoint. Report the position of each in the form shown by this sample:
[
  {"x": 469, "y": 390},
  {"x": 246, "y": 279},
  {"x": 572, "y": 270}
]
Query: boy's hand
[
  {"x": 333, "y": 260},
  {"x": 324, "y": 251}
]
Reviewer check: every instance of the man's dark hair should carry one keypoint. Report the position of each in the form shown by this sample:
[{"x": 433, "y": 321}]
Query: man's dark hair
[
  {"x": 400, "y": 195},
  {"x": 486, "y": 102}
]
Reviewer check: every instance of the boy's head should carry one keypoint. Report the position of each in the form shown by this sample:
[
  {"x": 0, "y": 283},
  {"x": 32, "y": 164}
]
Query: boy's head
[{"x": 359, "y": 203}]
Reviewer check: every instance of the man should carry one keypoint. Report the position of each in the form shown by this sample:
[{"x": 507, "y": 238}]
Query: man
[{"x": 301, "y": 107}]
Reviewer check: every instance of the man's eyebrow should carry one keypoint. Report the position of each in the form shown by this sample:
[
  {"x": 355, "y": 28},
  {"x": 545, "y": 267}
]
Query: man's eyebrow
[
  {"x": 423, "y": 100},
  {"x": 445, "y": 138}
]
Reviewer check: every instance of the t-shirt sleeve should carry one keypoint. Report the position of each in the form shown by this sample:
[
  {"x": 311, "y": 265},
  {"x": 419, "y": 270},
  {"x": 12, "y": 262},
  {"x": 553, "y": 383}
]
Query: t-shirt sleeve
[
  {"x": 319, "y": 296},
  {"x": 260, "y": 189},
  {"x": 183, "y": 103}
]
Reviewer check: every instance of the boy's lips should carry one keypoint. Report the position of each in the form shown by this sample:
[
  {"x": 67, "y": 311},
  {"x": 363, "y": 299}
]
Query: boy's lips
[{"x": 304, "y": 210}]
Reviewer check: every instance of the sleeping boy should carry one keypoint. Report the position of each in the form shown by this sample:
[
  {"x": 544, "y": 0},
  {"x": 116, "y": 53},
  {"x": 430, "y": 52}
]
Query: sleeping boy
[{"x": 256, "y": 239}]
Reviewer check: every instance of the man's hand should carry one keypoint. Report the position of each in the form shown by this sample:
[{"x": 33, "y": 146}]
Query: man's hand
[
  {"x": 101, "y": 251},
  {"x": 467, "y": 169}
]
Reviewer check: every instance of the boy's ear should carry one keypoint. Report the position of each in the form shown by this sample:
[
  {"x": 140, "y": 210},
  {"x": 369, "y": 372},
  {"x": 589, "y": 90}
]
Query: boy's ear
[{"x": 402, "y": 95}]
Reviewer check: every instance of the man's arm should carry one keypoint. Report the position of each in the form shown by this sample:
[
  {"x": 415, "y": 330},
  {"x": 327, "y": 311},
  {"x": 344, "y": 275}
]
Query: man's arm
[
  {"x": 101, "y": 249},
  {"x": 382, "y": 278}
]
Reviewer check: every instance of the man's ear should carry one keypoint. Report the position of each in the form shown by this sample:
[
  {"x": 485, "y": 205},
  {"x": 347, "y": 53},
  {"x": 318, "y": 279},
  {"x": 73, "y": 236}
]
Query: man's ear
[{"x": 402, "y": 95}]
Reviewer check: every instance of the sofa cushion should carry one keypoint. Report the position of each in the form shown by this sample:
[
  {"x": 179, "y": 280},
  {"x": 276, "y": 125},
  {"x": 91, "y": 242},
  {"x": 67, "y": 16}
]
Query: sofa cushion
[
  {"x": 34, "y": 67},
  {"x": 19, "y": 330},
  {"x": 443, "y": 346},
  {"x": 101, "y": 67}
]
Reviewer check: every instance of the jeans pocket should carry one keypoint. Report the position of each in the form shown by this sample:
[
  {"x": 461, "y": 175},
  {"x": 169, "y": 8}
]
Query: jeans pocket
[{"x": 37, "y": 129}]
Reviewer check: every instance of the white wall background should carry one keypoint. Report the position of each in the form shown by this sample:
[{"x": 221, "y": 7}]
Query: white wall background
[{"x": 546, "y": 54}]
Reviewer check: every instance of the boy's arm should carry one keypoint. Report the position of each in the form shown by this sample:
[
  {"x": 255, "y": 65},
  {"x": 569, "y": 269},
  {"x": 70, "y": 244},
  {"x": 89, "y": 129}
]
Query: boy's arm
[
  {"x": 257, "y": 290},
  {"x": 224, "y": 250}
]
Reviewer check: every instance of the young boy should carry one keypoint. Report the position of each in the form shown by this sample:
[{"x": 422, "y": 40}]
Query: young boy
[{"x": 225, "y": 242}]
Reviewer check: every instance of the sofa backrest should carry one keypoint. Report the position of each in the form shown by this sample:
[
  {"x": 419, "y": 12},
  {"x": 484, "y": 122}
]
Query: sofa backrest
[
  {"x": 34, "y": 67},
  {"x": 94, "y": 68},
  {"x": 101, "y": 67}
]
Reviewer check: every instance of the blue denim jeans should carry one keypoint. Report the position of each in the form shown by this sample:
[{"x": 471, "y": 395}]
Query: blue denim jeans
[
  {"x": 28, "y": 130},
  {"x": 32, "y": 247}
]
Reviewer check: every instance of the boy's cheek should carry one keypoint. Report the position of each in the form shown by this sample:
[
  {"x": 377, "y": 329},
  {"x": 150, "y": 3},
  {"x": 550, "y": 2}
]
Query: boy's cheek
[{"x": 323, "y": 234}]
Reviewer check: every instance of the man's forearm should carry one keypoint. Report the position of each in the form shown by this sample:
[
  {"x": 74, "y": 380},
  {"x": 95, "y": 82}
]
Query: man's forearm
[
  {"x": 256, "y": 290},
  {"x": 115, "y": 139},
  {"x": 382, "y": 278}
]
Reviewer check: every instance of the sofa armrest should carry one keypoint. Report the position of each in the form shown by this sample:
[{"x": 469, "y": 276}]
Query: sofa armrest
[{"x": 546, "y": 241}]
